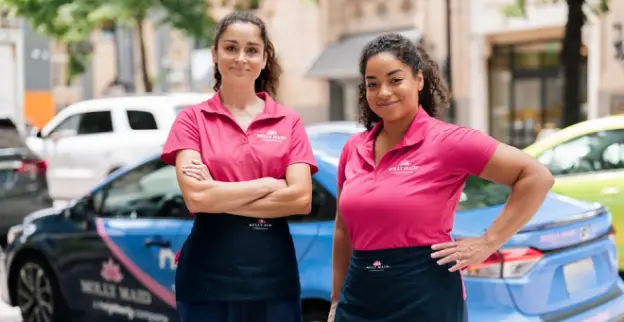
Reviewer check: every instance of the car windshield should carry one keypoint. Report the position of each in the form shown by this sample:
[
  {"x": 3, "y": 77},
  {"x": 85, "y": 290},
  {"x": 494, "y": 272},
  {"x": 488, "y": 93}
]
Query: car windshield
[{"x": 480, "y": 193}]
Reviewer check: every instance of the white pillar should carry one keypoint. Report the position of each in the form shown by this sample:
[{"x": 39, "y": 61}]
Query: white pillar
[
  {"x": 593, "y": 68},
  {"x": 478, "y": 79}
]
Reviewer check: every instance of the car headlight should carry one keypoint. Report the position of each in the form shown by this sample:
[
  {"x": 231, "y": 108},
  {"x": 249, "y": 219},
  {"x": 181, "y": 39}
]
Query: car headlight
[{"x": 14, "y": 233}]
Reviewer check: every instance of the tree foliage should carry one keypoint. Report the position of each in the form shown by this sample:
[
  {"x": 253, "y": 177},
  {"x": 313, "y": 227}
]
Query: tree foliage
[{"x": 73, "y": 21}]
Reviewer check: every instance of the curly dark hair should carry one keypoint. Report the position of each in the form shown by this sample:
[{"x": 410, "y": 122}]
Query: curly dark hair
[
  {"x": 268, "y": 81},
  {"x": 435, "y": 93}
]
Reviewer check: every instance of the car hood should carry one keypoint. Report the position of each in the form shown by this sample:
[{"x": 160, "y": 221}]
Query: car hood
[
  {"x": 555, "y": 209},
  {"x": 34, "y": 216}
]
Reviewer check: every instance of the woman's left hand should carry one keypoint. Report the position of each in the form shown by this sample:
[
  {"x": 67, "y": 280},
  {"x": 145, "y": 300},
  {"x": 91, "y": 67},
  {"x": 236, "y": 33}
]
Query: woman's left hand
[{"x": 464, "y": 252}]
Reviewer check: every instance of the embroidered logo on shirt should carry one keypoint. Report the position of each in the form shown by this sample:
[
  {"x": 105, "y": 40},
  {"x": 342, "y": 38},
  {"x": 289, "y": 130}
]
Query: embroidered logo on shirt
[
  {"x": 271, "y": 136},
  {"x": 261, "y": 224},
  {"x": 404, "y": 167},
  {"x": 377, "y": 266}
]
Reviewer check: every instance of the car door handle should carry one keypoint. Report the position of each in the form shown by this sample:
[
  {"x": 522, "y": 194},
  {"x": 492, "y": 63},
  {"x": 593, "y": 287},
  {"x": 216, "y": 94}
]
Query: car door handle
[
  {"x": 157, "y": 242},
  {"x": 610, "y": 191}
]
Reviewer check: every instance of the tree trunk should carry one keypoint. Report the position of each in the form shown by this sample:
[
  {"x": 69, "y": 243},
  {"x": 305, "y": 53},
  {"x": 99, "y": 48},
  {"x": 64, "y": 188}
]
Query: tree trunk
[
  {"x": 571, "y": 58},
  {"x": 147, "y": 82}
]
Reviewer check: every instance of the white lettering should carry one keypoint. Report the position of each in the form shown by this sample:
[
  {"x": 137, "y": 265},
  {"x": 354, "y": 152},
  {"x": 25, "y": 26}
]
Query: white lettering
[
  {"x": 100, "y": 289},
  {"x": 129, "y": 312},
  {"x": 135, "y": 295},
  {"x": 166, "y": 259}
]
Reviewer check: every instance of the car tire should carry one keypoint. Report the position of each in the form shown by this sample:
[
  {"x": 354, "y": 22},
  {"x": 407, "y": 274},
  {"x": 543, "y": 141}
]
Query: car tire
[
  {"x": 37, "y": 291},
  {"x": 315, "y": 316}
]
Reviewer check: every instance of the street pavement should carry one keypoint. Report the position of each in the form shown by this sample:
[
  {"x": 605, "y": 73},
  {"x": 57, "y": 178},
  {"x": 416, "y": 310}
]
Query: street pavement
[{"x": 9, "y": 314}]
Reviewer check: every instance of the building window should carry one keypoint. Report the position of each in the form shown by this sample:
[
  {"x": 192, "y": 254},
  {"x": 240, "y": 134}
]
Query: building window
[{"x": 526, "y": 91}]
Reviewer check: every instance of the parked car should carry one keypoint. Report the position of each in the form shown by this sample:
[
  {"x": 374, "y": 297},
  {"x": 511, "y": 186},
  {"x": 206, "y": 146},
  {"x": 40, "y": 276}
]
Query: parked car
[
  {"x": 110, "y": 255},
  {"x": 23, "y": 187},
  {"x": 88, "y": 140},
  {"x": 587, "y": 160}
]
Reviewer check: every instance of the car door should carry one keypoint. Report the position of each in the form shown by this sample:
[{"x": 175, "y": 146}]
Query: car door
[
  {"x": 310, "y": 245},
  {"x": 139, "y": 218},
  {"x": 591, "y": 168},
  {"x": 84, "y": 155},
  {"x": 56, "y": 159}
]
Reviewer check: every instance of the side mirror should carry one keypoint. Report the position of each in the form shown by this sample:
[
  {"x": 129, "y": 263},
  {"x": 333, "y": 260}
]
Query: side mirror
[{"x": 81, "y": 210}]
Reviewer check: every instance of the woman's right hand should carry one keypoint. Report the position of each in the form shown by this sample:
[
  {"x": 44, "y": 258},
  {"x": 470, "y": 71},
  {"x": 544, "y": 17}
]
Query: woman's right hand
[{"x": 332, "y": 312}]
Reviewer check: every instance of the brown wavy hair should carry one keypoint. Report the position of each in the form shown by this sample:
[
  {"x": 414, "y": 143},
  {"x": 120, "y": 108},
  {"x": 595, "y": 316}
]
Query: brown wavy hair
[
  {"x": 268, "y": 81},
  {"x": 435, "y": 93}
]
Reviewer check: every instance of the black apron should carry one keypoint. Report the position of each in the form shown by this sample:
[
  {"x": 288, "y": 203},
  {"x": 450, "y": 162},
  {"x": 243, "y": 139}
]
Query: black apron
[
  {"x": 233, "y": 258},
  {"x": 400, "y": 285}
]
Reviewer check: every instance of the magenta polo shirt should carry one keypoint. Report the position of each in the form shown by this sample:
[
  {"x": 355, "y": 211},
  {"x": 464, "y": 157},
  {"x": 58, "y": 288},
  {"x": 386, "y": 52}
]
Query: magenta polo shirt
[
  {"x": 409, "y": 198},
  {"x": 228, "y": 257},
  {"x": 274, "y": 140}
]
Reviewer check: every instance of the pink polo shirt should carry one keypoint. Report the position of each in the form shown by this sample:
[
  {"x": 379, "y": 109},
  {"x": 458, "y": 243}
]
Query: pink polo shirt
[
  {"x": 410, "y": 198},
  {"x": 274, "y": 140}
]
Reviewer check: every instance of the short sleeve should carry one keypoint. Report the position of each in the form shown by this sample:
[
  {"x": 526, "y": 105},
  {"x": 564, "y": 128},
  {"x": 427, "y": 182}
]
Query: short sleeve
[
  {"x": 300, "y": 147},
  {"x": 183, "y": 135},
  {"x": 468, "y": 150},
  {"x": 342, "y": 163}
]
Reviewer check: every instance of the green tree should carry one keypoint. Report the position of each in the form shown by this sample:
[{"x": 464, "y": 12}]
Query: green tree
[
  {"x": 571, "y": 51},
  {"x": 189, "y": 16},
  {"x": 55, "y": 19}
]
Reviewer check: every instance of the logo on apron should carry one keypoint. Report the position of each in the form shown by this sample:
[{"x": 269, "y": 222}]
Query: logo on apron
[
  {"x": 260, "y": 224},
  {"x": 377, "y": 266}
]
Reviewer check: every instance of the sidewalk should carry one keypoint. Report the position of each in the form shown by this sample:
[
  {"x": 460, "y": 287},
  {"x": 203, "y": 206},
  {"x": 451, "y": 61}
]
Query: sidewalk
[{"x": 9, "y": 314}]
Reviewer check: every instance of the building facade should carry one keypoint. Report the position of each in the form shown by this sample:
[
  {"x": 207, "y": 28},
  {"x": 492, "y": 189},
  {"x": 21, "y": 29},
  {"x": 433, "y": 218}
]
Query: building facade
[{"x": 507, "y": 71}]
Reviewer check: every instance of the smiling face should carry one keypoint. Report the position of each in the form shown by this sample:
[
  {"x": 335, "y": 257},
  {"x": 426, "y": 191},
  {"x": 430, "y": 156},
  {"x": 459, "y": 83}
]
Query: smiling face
[
  {"x": 391, "y": 87},
  {"x": 239, "y": 54}
]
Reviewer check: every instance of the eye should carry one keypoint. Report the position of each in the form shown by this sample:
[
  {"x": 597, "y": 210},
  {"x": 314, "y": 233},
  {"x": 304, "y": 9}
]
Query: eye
[
  {"x": 371, "y": 85},
  {"x": 230, "y": 48},
  {"x": 252, "y": 50},
  {"x": 396, "y": 80}
]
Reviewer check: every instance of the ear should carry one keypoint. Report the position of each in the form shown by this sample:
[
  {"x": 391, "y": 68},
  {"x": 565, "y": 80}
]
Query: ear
[
  {"x": 264, "y": 60},
  {"x": 213, "y": 53},
  {"x": 420, "y": 80}
]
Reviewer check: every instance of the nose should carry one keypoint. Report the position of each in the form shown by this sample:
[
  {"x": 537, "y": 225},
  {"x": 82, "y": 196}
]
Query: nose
[
  {"x": 384, "y": 92},
  {"x": 241, "y": 56}
]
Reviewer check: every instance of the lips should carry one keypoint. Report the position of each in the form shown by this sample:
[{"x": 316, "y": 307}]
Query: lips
[{"x": 386, "y": 104}]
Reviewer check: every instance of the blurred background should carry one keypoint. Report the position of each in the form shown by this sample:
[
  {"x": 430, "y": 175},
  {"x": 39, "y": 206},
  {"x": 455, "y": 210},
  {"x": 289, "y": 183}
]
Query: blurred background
[
  {"x": 516, "y": 67},
  {"x": 89, "y": 89}
]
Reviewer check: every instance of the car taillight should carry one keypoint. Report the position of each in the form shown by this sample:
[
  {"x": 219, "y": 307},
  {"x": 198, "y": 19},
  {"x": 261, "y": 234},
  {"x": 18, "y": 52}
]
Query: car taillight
[
  {"x": 33, "y": 166},
  {"x": 506, "y": 263}
]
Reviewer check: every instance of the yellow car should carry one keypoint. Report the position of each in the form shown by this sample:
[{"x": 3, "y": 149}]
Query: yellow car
[{"x": 587, "y": 160}]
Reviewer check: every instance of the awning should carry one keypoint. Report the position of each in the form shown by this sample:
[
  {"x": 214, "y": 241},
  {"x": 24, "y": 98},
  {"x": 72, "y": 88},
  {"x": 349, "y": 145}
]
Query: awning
[{"x": 341, "y": 60}]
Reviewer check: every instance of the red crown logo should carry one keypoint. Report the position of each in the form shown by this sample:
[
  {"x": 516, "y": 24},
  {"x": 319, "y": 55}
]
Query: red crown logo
[{"x": 111, "y": 272}]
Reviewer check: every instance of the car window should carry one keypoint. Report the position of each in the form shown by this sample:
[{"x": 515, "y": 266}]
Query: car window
[
  {"x": 589, "y": 153},
  {"x": 481, "y": 193},
  {"x": 95, "y": 122},
  {"x": 149, "y": 191},
  {"x": 141, "y": 120},
  {"x": 323, "y": 206},
  {"x": 70, "y": 123}
]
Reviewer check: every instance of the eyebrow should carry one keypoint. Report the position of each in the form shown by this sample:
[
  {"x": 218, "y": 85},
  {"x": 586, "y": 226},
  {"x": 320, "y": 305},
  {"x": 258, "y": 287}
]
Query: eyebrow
[
  {"x": 236, "y": 42},
  {"x": 388, "y": 74}
]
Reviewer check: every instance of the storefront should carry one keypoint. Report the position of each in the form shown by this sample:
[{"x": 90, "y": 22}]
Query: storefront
[{"x": 526, "y": 83}]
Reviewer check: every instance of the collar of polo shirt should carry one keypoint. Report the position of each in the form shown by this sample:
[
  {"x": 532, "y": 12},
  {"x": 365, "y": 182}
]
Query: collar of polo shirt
[
  {"x": 414, "y": 135},
  {"x": 271, "y": 110}
]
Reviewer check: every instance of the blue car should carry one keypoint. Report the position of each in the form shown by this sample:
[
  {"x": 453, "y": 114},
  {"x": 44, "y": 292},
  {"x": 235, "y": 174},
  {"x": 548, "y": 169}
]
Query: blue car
[{"x": 110, "y": 255}]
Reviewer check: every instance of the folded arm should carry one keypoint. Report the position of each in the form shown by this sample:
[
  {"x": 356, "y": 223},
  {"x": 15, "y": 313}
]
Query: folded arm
[
  {"x": 212, "y": 196},
  {"x": 295, "y": 199}
]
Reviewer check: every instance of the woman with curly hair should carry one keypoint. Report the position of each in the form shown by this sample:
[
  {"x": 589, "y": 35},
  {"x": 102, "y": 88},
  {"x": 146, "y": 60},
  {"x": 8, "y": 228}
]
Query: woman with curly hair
[
  {"x": 244, "y": 163},
  {"x": 399, "y": 184}
]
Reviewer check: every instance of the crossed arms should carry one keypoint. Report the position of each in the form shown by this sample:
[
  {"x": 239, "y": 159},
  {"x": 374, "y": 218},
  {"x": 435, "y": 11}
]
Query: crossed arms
[{"x": 259, "y": 198}]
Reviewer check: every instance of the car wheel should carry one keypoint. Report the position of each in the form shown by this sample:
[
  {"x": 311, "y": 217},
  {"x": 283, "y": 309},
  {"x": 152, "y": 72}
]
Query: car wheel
[
  {"x": 37, "y": 293},
  {"x": 315, "y": 316}
]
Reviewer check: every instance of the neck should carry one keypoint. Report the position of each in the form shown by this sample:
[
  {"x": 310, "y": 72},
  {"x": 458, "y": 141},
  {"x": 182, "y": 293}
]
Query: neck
[
  {"x": 238, "y": 97},
  {"x": 395, "y": 130}
]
